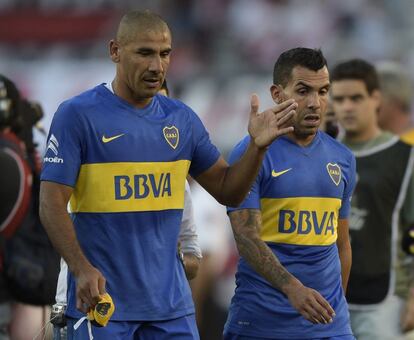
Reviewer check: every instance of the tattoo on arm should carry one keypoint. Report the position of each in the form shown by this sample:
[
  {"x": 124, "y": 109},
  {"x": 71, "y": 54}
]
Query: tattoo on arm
[{"x": 246, "y": 224}]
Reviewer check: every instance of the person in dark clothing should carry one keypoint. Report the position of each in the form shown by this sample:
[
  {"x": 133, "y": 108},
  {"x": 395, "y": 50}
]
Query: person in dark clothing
[
  {"x": 379, "y": 294},
  {"x": 24, "y": 246},
  {"x": 16, "y": 186}
]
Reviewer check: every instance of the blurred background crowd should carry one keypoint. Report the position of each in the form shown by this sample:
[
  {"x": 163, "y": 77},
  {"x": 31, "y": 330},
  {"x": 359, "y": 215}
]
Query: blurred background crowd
[{"x": 223, "y": 50}]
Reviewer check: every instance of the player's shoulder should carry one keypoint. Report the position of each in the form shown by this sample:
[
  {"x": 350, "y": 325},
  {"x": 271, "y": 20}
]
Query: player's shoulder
[
  {"x": 338, "y": 147},
  {"x": 174, "y": 106},
  {"x": 89, "y": 98},
  {"x": 84, "y": 99},
  {"x": 77, "y": 106}
]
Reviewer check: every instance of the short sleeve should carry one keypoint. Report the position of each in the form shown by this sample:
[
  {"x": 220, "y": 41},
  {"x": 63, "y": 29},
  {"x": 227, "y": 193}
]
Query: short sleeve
[
  {"x": 188, "y": 233},
  {"x": 252, "y": 200},
  {"x": 63, "y": 153},
  {"x": 349, "y": 189},
  {"x": 205, "y": 153},
  {"x": 62, "y": 283}
]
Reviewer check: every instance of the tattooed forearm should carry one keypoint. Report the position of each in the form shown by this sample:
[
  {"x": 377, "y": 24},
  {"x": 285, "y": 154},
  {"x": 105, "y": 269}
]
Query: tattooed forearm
[{"x": 246, "y": 224}]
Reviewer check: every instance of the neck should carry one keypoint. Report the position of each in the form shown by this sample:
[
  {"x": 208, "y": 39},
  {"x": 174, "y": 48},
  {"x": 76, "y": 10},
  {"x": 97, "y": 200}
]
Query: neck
[
  {"x": 301, "y": 140},
  {"x": 364, "y": 136},
  {"x": 124, "y": 92}
]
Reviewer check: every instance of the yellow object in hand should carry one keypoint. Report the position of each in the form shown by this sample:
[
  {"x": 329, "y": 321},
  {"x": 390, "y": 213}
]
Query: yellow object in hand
[{"x": 100, "y": 315}]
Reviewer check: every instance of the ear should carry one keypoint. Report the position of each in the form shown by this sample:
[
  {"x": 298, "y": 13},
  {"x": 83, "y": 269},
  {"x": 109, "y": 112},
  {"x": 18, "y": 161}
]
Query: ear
[
  {"x": 276, "y": 91},
  {"x": 376, "y": 96},
  {"x": 114, "y": 51}
]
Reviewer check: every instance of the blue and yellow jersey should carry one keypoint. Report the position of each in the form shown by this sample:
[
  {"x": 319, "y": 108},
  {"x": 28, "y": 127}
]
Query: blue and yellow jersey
[
  {"x": 128, "y": 168},
  {"x": 301, "y": 192}
]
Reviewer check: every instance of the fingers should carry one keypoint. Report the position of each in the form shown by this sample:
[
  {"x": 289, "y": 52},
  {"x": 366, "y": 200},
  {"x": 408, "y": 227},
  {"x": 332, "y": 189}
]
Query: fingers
[
  {"x": 316, "y": 309},
  {"x": 254, "y": 104},
  {"x": 85, "y": 300},
  {"x": 321, "y": 309},
  {"x": 289, "y": 111},
  {"x": 94, "y": 294},
  {"x": 89, "y": 286},
  {"x": 101, "y": 285},
  {"x": 318, "y": 315},
  {"x": 285, "y": 131},
  {"x": 285, "y": 106},
  {"x": 325, "y": 305},
  {"x": 312, "y": 314},
  {"x": 80, "y": 305},
  {"x": 283, "y": 119}
]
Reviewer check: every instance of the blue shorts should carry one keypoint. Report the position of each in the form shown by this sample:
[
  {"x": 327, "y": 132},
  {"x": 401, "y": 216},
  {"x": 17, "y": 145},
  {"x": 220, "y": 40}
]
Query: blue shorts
[
  {"x": 184, "y": 328},
  {"x": 233, "y": 336}
]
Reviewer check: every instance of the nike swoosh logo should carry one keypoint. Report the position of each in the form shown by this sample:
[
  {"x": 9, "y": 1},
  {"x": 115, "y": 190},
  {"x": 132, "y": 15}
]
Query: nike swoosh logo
[
  {"x": 277, "y": 174},
  {"x": 110, "y": 139}
]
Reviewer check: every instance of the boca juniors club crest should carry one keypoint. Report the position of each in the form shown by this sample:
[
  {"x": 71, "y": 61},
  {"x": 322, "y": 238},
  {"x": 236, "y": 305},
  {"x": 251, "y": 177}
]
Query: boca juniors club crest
[
  {"x": 334, "y": 172},
  {"x": 171, "y": 135}
]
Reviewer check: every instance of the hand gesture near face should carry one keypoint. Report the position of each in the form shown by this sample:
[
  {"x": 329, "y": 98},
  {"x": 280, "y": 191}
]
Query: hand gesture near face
[{"x": 266, "y": 126}]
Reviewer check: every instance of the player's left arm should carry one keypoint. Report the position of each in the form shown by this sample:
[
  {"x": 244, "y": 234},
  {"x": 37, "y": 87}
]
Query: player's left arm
[
  {"x": 343, "y": 242},
  {"x": 191, "y": 265},
  {"x": 344, "y": 250},
  {"x": 188, "y": 243},
  {"x": 246, "y": 224}
]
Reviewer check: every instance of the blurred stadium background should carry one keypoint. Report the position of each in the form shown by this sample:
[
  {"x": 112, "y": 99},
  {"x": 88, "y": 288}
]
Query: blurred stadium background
[{"x": 223, "y": 50}]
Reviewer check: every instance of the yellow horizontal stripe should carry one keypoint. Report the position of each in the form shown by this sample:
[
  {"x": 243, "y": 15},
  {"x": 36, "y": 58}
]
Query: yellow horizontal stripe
[
  {"x": 130, "y": 187},
  {"x": 300, "y": 220}
]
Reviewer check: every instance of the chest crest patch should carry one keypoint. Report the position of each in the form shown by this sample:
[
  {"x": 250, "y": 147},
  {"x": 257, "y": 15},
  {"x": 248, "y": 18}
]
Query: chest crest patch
[
  {"x": 334, "y": 172},
  {"x": 171, "y": 135}
]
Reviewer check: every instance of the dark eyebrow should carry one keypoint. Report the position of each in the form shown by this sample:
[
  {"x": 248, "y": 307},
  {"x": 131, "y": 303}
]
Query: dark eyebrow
[
  {"x": 151, "y": 50},
  {"x": 301, "y": 83},
  {"x": 145, "y": 49},
  {"x": 356, "y": 96},
  {"x": 351, "y": 96},
  {"x": 167, "y": 50}
]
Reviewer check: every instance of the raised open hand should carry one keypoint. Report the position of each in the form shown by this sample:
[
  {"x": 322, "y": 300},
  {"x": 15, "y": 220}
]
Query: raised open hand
[{"x": 266, "y": 126}]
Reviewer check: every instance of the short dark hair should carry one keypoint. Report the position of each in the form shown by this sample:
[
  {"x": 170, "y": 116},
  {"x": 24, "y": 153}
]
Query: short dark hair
[
  {"x": 357, "y": 69},
  {"x": 309, "y": 58},
  {"x": 137, "y": 21}
]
